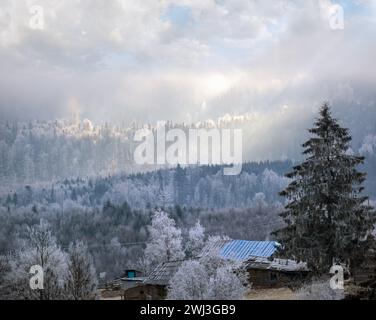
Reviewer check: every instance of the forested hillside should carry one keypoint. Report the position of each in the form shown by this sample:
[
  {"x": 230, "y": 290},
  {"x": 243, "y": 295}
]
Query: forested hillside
[
  {"x": 45, "y": 151},
  {"x": 204, "y": 187}
]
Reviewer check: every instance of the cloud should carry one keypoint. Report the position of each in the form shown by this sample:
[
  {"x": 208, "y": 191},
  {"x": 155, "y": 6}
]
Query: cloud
[{"x": 127, "y": 60}]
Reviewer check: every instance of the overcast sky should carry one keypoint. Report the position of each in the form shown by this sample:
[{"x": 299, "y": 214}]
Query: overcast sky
[{"x": 124, "y": 60}]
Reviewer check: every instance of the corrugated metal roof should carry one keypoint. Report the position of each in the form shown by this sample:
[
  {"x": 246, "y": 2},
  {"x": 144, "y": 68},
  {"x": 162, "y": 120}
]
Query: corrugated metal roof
[
  {"x": 163, "y": 273},
  {"x": 276, "y": 265},
  {"x": 241, "y": 250}
]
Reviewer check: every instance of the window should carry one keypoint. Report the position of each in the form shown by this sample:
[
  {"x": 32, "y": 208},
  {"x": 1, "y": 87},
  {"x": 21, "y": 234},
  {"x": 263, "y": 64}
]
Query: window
[{"x": 131, "y": 274}]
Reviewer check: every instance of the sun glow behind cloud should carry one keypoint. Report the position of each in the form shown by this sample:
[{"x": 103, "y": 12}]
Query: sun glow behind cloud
[{"x": 126, "y": 60}]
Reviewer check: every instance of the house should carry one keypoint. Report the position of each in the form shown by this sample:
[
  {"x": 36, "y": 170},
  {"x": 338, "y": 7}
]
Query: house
[
  {"x": 264, "y": 271},
  {"x": 154, "y": 287},
  {"x": 275, "y": 273}
]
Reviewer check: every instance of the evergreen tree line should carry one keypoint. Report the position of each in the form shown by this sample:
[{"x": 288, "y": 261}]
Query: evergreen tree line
[{"x": 203, "y": 187}]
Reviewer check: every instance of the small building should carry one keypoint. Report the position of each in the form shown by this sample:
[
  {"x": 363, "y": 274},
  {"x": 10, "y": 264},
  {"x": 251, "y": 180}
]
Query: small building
[
  {"x": 154, "y": 287},
  {"x": 276, "y": 273},
  {"x": 131, "y": 278},
  {"x": 264, "y": 271}
]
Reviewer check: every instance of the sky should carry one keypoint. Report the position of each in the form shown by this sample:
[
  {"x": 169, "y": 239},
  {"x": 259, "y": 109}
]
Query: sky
[{"x": 187, "y": 60}]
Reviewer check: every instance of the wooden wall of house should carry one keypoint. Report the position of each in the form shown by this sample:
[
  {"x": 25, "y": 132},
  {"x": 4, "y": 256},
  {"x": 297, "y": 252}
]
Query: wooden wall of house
[
  {"x": 365, "y": 274},
  {"x": 145, "y": 292},
  {"x": 260, "y": 278}
]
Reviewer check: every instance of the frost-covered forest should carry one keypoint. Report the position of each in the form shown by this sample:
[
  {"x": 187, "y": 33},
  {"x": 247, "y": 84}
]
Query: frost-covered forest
[
  {"x": 77, "y": 184},
  {"x": 204, "y": 187},
  {"x": 38, "y": 151},
  {"x": 112, "y": 214}
]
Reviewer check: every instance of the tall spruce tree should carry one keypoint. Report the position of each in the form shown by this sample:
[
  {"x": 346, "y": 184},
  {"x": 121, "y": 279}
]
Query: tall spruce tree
[{"x": 327, "y": 218}]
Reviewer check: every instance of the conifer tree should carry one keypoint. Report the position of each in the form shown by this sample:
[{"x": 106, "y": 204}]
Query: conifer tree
[{"x": 327, "y": 218}]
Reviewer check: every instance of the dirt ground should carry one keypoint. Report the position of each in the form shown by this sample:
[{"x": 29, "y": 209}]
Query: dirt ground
[
  {"x": 257, "y": 294},
  {"x": 110, "y": 295},
  {"x": 271, "y": 294}
]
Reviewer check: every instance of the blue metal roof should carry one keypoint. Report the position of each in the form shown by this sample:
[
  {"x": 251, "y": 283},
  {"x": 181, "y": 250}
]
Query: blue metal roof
[{"x": 242, "y": 250}]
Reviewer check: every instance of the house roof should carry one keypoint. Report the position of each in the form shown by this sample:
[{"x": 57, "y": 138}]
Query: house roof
[
  {"x": 163, "y": 273},
  {"x": 240, "y": 250},
  {"x": 285, "y": 265}
]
